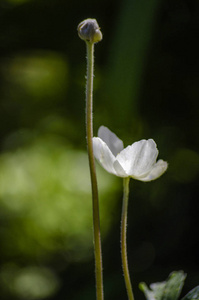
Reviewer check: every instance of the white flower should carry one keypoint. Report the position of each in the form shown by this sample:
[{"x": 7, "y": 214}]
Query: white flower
[{"x": 137, "y": 161}]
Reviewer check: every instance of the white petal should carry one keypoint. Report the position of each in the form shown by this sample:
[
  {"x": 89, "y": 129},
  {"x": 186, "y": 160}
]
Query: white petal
[
  {"x": 138, "y": 159},
  {"x": 112, "y": 141},
  {"x": 119, "y": 170},
  {"x": 103, "y": 154},
  {"x": 158, "y": 169}
]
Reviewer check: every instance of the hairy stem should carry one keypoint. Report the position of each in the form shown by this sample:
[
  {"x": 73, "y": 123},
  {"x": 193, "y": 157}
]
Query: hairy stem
[
  {"x": 123, "y": 238},
  {"x": 95, "y": 201}
]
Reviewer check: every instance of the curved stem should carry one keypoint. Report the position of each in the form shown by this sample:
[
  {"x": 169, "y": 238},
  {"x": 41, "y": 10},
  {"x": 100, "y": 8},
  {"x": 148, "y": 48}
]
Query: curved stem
[
  {"x": 123, "y": 238},
  {"x": 95, "y": 202}
]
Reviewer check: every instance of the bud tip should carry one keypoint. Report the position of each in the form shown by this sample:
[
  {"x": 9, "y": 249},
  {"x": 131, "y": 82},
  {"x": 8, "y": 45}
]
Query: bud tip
[{"x": 89, "y": 31}]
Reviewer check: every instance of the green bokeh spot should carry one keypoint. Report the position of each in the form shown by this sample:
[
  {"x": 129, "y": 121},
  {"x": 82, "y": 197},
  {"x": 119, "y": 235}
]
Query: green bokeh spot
[{"x": 45, "y": 201}]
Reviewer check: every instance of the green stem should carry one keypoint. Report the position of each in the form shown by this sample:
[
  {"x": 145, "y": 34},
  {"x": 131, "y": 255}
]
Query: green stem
[
  {"x": 95, "y": 202},
  {"x": 123, "y": 238}
]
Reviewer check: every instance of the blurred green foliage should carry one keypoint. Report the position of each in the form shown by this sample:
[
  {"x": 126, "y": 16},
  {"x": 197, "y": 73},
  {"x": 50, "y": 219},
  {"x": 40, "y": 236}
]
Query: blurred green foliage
[
  {"x": 146, "y": 86},
  {"x": 46, "y": 205}
]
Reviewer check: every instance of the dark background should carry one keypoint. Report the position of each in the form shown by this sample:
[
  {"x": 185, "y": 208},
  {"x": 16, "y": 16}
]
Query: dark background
[{"x": 146, "y": 86}]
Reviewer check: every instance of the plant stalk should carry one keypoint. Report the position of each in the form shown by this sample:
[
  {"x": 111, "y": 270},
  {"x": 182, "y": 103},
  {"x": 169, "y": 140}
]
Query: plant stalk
[
  {"x": 123, "y": 238},
  {"x": 95, "y": 201}
]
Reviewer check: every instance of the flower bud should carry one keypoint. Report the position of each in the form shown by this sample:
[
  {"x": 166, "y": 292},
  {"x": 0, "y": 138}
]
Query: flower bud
[{"x": 89, "y": 31}]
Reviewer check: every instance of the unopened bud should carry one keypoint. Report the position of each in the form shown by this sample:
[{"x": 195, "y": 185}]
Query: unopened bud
[{"x": 89, "y": 31}]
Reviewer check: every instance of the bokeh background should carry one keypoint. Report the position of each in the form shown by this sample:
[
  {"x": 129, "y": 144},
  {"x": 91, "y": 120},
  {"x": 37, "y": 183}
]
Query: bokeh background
[{"x": 146, "y": 86}]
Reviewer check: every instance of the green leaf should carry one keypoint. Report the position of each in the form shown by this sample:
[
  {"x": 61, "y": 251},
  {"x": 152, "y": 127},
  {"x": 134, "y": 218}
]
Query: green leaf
[
  {"x": 193, "y": 294},
  {"x": 174, "y": 285},
  {"x": 156, "y": 290},
  {"x": 166, "y": 290}
]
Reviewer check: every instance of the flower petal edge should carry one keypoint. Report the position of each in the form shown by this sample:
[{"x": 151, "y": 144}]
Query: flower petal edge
[{"x": 103, "y": 154}]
